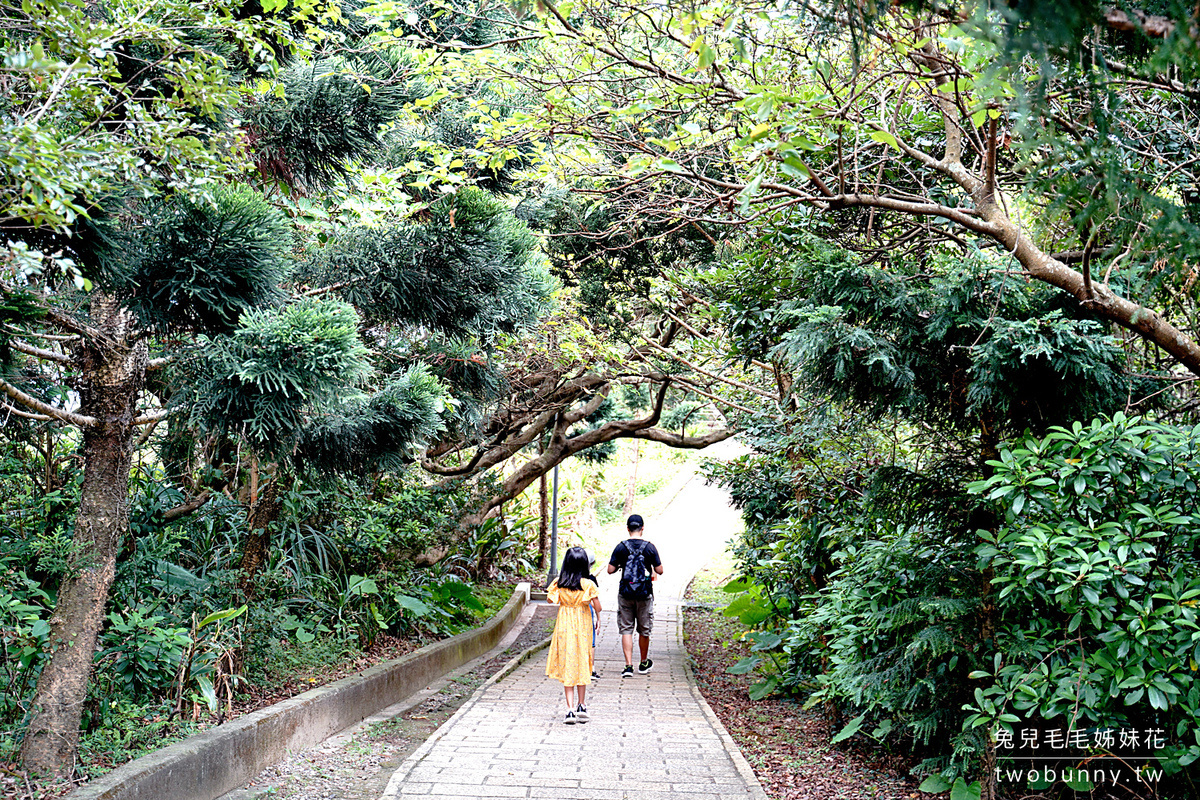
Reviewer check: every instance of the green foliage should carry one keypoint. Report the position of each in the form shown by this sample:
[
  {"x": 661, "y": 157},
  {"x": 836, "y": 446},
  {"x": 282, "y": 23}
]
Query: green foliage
[
  {"x": 207, "y": 670},
  {"x": 437, "y": 608},
  {"x": 329, "y": 113},
  {"x": 468, "y": 268},
  {"x": 199, "y": 264},
  {"x": 475, "y": 381},
  {"x": 451, "y": 23},
  {"x": 381, "y": 533},
  {"x": 277, "y": 366},
  {"x": 379, "y": 433},
  {"x": 119, "y": 101},
  {"x": 123, "y": 730},
  {"x": 496, "y": 544},
  {"x": 760, "y": 486},
  {"x": 143, "y": 654},
  {"x": 24, "y": 628},
  {"x": 348, "y": 606},
  {"x": 947, "y": 348},
  {"x": 1095, "y": 573},
  {"x": 859, "y": 582},
  {"x": 442, "y": 152},
  {"x": 15, "y": 308},
  {"x": 607, "y": 410},
  {"x": 894, "y": 632},
  {"x": 609, "y": 257},
  {"x": 682, "y": 415}
]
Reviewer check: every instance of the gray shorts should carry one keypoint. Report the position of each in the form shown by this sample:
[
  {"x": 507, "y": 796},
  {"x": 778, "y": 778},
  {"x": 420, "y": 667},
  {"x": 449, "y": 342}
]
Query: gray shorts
[{"x": 630, "y": 612}]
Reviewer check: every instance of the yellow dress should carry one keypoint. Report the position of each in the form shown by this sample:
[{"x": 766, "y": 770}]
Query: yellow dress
[{"x": 570, "y": 657}]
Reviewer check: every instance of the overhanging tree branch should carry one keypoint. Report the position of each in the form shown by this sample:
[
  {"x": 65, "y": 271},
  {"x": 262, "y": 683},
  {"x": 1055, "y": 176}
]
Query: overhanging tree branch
[
  {"x": 29, "y": 401},
  {"x": 38, "y": 352}
]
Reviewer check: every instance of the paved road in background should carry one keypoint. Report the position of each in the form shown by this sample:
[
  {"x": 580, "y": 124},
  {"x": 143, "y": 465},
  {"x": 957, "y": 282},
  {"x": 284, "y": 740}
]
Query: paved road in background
[{"x": 650, "y": 737}]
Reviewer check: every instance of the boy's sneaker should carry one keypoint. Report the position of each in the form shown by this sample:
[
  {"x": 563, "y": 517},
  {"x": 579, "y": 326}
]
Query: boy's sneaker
[
  {"x": 571, "y": 718},
  {"x": 645, "y": 666},
  {"x": 595, "y": 675},
  {"x": 627, "y": 672},
  {"x": 581, "y": 714}
]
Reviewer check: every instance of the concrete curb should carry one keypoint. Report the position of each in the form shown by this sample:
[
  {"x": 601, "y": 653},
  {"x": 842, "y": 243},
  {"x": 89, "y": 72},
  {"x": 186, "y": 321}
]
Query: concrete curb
[
  {"x": 754, "y": 788},
  {"x": 218, "y": 760},
  {"x": 394, "y": 785}
]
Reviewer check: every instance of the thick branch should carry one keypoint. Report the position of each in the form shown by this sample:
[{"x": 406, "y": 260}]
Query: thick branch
[
  {"x": 1137, "y": 19},
  {"x": 9, "y": 409},
  {"x": 151, "y": 416},
  {"x": 65, "y": 321},
  {"x": 691, "y": 387},
  {"x": 1103, "y": 301},
  {"x": 672, "y": 439},
  {"x": 37, "y": 352},
  {"x": 488, "y": 457},
  {"x": 562, "y": 447},
  {"x": 30, "y": 401},
  {"x": 182, "y": 510}
]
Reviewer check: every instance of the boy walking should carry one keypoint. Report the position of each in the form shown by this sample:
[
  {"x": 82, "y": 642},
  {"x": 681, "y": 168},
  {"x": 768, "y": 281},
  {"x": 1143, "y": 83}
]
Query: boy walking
[{"x": 640, "y": 564}]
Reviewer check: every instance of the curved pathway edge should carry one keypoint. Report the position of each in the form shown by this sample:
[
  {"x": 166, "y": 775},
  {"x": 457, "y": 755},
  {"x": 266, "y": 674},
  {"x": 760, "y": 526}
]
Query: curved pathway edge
[
  {"x": 215, "y": 761},
  {"x": 735, "y": 753},
  {"x": 651, "y": 736}
]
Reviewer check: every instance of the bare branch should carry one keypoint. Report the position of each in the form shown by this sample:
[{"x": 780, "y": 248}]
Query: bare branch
[
  {"x": 9, "y": 409},
  {"x": 690, "y": 365},
  {"x": 37, "y": 352},
  {"x": 151, "y": 416},
  {"x": 182, "y": 510},
  {"x": 679, "y": 440},
  {"x": 29, "y": 401}
]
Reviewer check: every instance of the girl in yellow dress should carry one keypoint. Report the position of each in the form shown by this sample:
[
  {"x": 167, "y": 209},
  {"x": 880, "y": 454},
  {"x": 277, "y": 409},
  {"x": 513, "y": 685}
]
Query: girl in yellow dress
[{"x": 570, "y": 657}]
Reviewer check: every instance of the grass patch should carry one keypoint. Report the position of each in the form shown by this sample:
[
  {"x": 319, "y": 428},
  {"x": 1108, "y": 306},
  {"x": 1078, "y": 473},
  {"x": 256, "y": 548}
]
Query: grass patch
[
  {"x": 649, "y": 487},
  {"x": 130, "y": 731},
  {"x": 493, "y": 596},
  {"x": 708, "y": 585},
  {"x": 609, "y": 508}
]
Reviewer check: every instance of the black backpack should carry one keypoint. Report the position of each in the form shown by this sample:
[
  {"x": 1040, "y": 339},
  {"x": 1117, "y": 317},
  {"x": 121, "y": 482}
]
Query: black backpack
[{"x": 635, "y": 577}]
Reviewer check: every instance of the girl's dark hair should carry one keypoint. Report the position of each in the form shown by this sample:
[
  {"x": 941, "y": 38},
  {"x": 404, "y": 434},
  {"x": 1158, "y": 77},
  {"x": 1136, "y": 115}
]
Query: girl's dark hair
[{"x": 574, "y": 569}]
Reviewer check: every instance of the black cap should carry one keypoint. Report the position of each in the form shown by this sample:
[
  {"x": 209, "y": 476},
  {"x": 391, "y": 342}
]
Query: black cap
[{"x": 634, "y": 522}]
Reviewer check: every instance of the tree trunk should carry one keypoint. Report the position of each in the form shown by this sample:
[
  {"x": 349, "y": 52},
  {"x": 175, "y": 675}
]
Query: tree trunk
[
  {"x": 264, "y": 509},
  {"x": 543, "y": 521},
  {"x": 631, "y": 490},
  {"x": 111, "y": 382}
]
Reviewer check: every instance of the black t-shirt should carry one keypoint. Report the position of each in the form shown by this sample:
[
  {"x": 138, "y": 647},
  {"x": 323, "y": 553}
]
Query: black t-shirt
[{"x": 620, "y": 555}]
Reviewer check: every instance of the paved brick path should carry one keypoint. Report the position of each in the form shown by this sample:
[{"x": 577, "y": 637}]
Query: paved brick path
[{"x": 650, "y": 736}]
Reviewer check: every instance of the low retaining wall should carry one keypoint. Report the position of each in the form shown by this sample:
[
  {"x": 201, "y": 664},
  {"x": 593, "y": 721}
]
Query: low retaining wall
[{"x": 223, "y": 758}]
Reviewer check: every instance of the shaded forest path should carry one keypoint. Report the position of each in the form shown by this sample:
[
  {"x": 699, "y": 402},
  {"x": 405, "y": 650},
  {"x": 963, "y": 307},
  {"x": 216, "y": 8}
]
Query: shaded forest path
[{"x": 650, "y": 736}]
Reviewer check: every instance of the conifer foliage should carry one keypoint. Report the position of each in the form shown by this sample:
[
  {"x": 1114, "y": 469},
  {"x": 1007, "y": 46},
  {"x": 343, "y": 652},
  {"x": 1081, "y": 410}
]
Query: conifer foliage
[
  {"x": 197, "y": 263},
  {"x": 168, "y": 285}
]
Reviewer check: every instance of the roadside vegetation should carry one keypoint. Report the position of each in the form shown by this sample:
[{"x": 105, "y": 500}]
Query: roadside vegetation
[{"x": 301, "y": 303}]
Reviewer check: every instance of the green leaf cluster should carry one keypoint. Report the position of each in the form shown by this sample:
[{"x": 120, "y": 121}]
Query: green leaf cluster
[
  {"x": 252, "y": 382},
  {"x": 1095, "y": 569},
  {"x": 468, "y": 267},
  {"x": 196, "y": 264}
]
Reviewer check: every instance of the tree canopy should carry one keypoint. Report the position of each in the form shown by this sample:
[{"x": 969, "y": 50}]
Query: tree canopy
[{"x": 930, "y": 261}]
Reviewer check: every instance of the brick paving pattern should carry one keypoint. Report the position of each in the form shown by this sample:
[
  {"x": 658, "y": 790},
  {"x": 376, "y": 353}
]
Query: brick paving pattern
[{"x": 650, "y": 737}]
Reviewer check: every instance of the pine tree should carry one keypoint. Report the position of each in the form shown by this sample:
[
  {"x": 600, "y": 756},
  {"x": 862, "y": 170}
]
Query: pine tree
[{"x": 176, "y": 295}]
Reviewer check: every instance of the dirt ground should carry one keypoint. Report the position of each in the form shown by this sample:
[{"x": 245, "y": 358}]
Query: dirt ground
[{"x": 787, "y": 746}]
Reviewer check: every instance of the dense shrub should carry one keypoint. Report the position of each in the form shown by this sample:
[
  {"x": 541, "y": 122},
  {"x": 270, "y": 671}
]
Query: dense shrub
[
  {"x": 1096, "y": 570},
  {"x": 1058, "y": 593}
]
